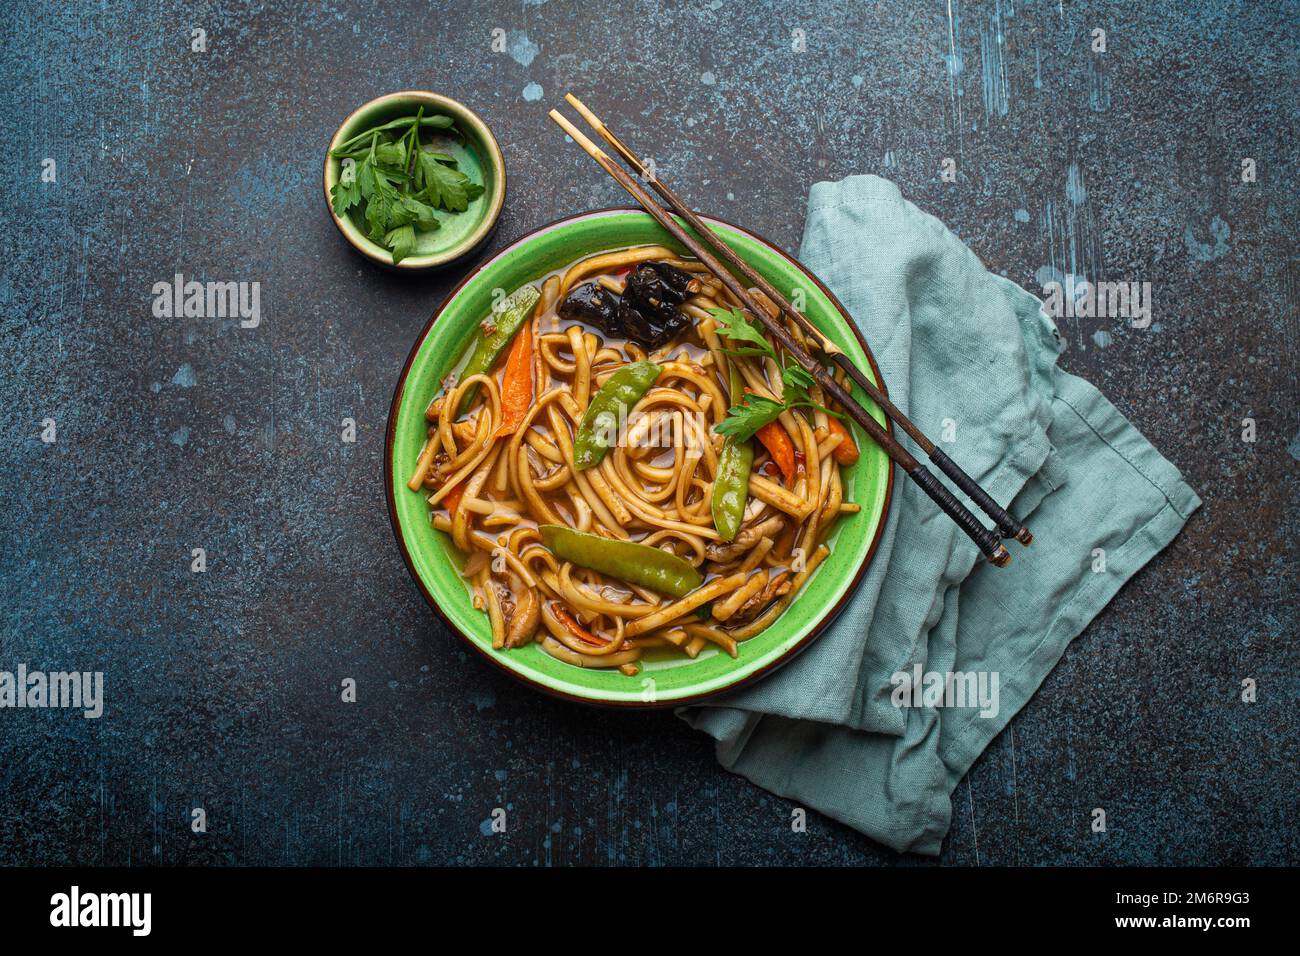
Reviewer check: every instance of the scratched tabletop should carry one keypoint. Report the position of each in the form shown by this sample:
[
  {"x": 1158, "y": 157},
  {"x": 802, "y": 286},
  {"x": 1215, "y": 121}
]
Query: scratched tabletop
[{"x": 1118, "y": 141}]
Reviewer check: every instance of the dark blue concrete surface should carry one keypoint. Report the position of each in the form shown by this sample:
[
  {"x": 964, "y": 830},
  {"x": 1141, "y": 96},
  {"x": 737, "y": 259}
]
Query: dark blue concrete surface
[{"x": 174, "y": 434}]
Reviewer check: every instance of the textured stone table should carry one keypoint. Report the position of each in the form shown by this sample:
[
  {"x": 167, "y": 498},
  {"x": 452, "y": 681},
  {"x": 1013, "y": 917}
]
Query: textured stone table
[{"x": 175, "y": 434}]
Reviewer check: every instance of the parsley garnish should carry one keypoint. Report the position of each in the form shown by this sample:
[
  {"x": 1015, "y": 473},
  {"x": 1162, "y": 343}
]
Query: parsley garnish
[
  {"x": 400, "y": 181},
  {"x": 732, "y": 324},
  {"x": 750, "y": 414},
  {"x": 795, "y": 382},
  {"x": 442, "y": 183}
]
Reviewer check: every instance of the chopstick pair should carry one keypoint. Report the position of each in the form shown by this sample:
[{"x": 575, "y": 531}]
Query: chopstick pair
[{"x": 987, "y": 541}]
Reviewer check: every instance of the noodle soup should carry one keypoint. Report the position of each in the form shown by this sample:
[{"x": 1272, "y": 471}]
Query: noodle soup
[{"x": 630, "y": 466}]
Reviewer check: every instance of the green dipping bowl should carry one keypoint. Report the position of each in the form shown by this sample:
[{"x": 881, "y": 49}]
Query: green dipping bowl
[
  {"x": 477, "y": 155},
  {"x": 432, "y": 559}
]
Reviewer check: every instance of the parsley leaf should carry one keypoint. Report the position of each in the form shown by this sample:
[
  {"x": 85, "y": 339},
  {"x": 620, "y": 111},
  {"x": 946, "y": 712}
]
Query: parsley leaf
[
  {"x": 795, "y": 382},
  {"x": 401, "y": 240},
  {"x": 377, "y": 218},
  {"x": 391, "y": 154},
  {"x": 368, "y": 179},
  {"x": 442, "y": 184},
  {"x": 421, "y": 213},
  {"x": 747, "y": 417},
  {"x": 346, "y": 193},
  {"x": 733, "y": 325}
]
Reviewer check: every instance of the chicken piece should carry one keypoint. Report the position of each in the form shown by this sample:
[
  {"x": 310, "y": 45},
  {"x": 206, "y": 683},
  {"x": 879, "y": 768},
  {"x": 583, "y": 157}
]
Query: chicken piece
[
  {"x": 745, "y": 539},
  {"x": 525, "y": 615},
  {"x": 776, "y": 587}
]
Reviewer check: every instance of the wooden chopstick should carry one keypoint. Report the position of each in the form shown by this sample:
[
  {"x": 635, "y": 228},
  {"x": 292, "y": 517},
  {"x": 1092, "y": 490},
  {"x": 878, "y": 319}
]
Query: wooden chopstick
[
  {"x": 1007, "y": 524},
  {"x": 986, "y": 540}
]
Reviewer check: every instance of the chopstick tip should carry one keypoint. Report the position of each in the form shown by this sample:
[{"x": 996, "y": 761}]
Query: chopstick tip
[
  {"x": 592, "y": 119},
  {"x": 560, "y": 120}
]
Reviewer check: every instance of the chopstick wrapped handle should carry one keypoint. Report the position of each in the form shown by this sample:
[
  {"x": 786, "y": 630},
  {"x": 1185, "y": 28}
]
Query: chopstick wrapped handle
[
  {"x": 987, "y": 541},
  {"x": 1008, "y": 525}
]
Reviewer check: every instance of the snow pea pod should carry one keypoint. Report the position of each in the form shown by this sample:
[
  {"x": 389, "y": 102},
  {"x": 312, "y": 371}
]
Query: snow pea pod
[
  {"x": 507, "y": 317},
  {"x": 600, "y": 425},
  {"x": 628, "y": 561},
  {"x": 731, "y": 484},
  {"x": 731, "y": 487}
]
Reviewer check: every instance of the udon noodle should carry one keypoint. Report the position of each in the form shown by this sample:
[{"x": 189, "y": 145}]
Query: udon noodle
[{"x": 543, "y": 512}]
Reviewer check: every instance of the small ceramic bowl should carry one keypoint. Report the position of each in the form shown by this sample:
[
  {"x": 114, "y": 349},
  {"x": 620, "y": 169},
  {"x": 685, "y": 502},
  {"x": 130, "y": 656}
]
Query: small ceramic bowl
[
  {"x": 432, "y": 558},
  {"x": 477, "y": 155}
]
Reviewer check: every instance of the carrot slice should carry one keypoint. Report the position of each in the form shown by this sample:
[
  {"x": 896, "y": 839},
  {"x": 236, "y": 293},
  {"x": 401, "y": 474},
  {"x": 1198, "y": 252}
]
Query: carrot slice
[
  {"x": 846, "y": 452},
  {"x": 517, "y": 384},
  {"x": 451, "y": 500},
  {"x": 779, "y": 446},
  {"x": 577, "y": 630}
]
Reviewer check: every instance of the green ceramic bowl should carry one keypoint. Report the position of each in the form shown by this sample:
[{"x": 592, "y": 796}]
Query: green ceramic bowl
[
  {"x": 432, "y": 559},
  {"x": 477, "y": 155}
]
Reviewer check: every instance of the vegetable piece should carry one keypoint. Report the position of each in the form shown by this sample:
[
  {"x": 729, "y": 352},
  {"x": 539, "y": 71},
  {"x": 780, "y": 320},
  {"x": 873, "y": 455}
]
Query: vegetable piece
[
  {"x": 507, "y": 317},
  {"x": 779, "y": 446},
  {"x": 561, "y": 614},
  {"x": 731, "y": 484},
  {"x": 682, "y": 283},
  {"x": 648, "y": 311},
  {"x": 345, "y": 193},
  {"x": 846, "y": 452},
  {"x": 628, "y": 561},
  {"x": 734, "y": 325},
  {"x": 795, "y": 381},
  {"x": 593, "y": 305},
  {"x": 600, "y": 425},
  {"x": 517, "y": 385},
  {"x": 731, "y": 487},
  {"x": 451, "y": 500},
  {"x": 401, "y": 241},
  {"x": 441, "y": 184},
  {"x": 747, "y": 416}
]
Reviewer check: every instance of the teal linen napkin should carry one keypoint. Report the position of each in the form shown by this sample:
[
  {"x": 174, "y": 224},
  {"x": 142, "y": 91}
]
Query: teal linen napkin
[{"x": 969, "y": 355}]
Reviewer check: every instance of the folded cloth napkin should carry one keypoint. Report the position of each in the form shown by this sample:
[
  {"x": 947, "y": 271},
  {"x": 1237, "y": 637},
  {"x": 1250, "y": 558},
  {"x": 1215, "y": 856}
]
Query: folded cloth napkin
[{"x": 968, "y": 353}]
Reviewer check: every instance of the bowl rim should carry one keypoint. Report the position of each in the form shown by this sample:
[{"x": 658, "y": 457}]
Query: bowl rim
[
  {"x": 461, "y": 113},
  {"x": 823, "y": 622}
]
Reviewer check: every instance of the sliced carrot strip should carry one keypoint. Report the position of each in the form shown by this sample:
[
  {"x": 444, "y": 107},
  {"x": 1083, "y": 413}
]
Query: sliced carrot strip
[
  {"x": 779, "y": 446},
  {"x": 577, "y": 630},
  {"x": 451, "y": 500},
  {"x": 846, "y": 452},
  {"x": 517, "y": 383}
]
